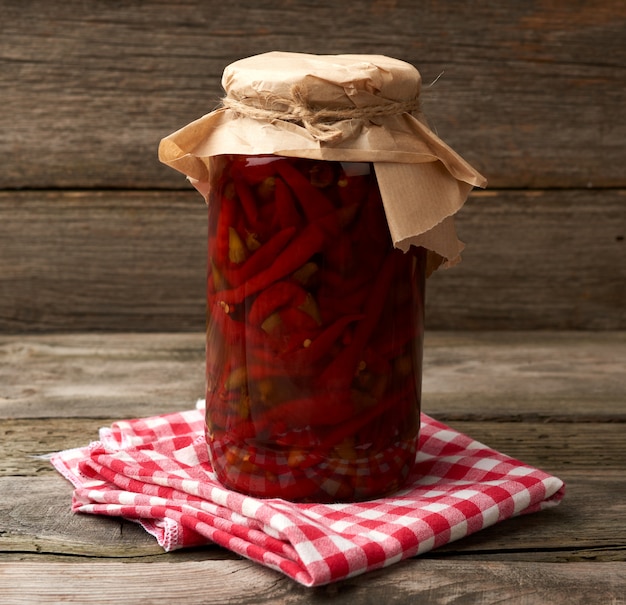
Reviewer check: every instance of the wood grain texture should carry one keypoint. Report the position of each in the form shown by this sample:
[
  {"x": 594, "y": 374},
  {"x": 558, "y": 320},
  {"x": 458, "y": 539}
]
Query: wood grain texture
[
  {"x": 518, "y": 376},
  {"x": 135, "y": 261},
  {"x": 538, "y": 376},
  {"x": 100, "y": 376},
  {"x": 36, "y": 518},
  {"x": 104, "y": 237},
  {"x": 503, "y": 389},
  {"x": 532, "y": 93},
  {"x": 76, "y": 261},
  {"x": 218, "y": 582},
  {"x": 553, "y": 446},
  {"x": 551, "y": 260}
]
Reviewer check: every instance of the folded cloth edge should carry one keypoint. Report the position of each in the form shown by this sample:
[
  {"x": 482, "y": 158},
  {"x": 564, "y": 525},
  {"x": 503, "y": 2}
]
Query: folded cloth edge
[{"x": 317, "y": 550}]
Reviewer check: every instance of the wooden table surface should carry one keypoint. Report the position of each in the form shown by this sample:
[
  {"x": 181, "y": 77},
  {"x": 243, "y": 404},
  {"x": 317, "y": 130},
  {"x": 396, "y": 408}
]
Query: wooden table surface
[{"x": 554, "y": 400}]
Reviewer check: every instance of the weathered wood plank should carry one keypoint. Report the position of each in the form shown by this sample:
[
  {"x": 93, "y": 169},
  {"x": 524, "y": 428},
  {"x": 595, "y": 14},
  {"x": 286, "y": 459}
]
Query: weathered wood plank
[
  {"x": 555, "y": 446},
  {"x": 135, "y": 261},
  {"x": 531, "y": 93},
  {"x": 551, "y": 260},
  {"x": 76, "y": 261},
  {"x": 555, "y": 400},
  {"x": 218, "y": 582},
  {"x": 540, "y": 376},
  {"x": 36, "y": 517},
  {"x": 100, "y": 375},
  {"x": 590, "y": 517},
  {"x": 545, "y": 376}
]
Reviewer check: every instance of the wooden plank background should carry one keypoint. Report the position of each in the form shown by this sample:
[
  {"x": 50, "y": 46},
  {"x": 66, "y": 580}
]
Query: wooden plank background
[
  {"x": 553, "y": 400},
  {"x": 95, "y": 234}
]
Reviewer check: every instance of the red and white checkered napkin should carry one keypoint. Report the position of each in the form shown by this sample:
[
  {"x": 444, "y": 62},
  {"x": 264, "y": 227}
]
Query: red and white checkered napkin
[{"x": 156, "y": 471}]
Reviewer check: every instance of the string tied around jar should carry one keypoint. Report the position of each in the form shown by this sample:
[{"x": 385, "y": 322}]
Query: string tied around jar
[{"x": 320, "y": 122}]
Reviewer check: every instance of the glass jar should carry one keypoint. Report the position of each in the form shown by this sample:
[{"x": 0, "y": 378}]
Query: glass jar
[{"x": 314, "y": 332}]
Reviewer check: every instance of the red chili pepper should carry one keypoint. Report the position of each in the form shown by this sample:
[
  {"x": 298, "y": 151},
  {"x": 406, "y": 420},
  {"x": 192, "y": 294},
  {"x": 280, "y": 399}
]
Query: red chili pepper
[
  {"x": 340, "y": 372},
  {"x": 356, "y": 423},
  {"x": 286, "y": 211},
  {"x": 334, "y": 281},
  {"x": 322, "y": 344},
  {"x": 335, "y": 222},
  {"x": 263, "y": 363},
  {"x": 247, "y": 200},
  {"x": 262, "y": 258},
  {"x": 354, "y": 189},
  {"x": 374, "y": 219},
  {"x": 371, "y": 227},
  {"x": 235, "y": 427},
  {"x": 400, "y": 424},
  {"x": 234, "y": 331},
  {"x": 313, "y": 347},
  {"x": 254, "y": 170},
  {"x": 298, "y": 321},
  {"x": 225, "y": 221},
  {"x": 317, "y": 410},
  {"x": 263, "y": 355},
  {"x": 336, "y": 305},
  {"x": 299, "y": 441},
  {"x": 376, "y": 363},
  {"x": 340, "y": 254},
  {"x": 261, "y": 484},
  {"x": 390, "y": 344},
  {"x": 297, "y": 252},
  {"x": 259, "y": 371},
  {"x": 277, "y": 295},
  {"x": 313, "y": 202}
]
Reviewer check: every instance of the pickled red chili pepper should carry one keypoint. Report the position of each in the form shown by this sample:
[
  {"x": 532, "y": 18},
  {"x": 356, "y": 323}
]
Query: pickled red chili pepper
[
  {"x": 297, "y": 252},
  {"x": 247, "y": 200},
  {"x": 286, "y": 211},
  {"x": 313, "y": 348},
  {"x": 261, "y": 258},
  {"x": 313, "y": 202}
]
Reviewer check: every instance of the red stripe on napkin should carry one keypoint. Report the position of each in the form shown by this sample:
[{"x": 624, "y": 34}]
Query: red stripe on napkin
[{"x": 156, "y": 471}]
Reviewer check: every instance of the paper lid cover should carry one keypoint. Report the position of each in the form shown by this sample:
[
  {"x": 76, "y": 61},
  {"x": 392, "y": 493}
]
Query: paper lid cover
[{"x": 360, "y": 108}]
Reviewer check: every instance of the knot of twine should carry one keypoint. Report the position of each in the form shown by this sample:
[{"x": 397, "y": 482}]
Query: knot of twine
[{"x": 319, "y": 122}]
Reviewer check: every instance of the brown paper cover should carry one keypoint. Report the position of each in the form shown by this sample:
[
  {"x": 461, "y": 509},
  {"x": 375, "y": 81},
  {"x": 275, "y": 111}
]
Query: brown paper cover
[{"x": 369, "y": 113}]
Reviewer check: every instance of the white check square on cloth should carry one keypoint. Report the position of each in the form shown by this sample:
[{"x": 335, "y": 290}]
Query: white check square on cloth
[{"x": 156, "y": 471}]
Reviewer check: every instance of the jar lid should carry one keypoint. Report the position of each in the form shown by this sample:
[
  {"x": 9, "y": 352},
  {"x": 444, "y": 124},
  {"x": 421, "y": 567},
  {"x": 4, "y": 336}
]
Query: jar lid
[
  {"x": 356, "y": 108},
  {"x": 283, "y": 81}
]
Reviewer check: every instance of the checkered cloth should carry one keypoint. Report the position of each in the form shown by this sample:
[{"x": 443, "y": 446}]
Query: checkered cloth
[{"x": 156, "y": 471}]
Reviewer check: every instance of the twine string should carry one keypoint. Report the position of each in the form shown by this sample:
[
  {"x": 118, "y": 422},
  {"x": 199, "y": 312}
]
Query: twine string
[{"x": 319, "y": 122}]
